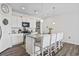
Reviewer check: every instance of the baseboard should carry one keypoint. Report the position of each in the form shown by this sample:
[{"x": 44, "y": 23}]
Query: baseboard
[
  {"x": 18, "y": 44},
  {"x": 71, "y": 42}
]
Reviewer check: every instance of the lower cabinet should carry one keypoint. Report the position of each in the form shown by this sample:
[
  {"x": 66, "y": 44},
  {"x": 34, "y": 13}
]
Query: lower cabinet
[{"x": 16, "y": 39}]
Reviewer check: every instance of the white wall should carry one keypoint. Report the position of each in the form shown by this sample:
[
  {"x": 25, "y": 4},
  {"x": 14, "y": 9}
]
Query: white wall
[
  {"x": 68, "y": 23},
  {"x": 5, "y": 41}
]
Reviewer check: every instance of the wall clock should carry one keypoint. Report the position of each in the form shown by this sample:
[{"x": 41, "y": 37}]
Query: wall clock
[{"x": 5, "y": 8}]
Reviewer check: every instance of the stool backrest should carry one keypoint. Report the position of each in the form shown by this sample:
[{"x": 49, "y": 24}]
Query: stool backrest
[
  {"x": 59, "y": 36},
  {"x": 46, "y": 40},
  {"x": 53, "y": 38}
]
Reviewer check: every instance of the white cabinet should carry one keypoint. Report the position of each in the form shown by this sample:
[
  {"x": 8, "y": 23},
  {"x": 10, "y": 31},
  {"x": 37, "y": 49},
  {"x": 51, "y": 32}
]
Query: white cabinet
[
  {"x": 16, "y": 38},
  {"x": 29, "y": 45},
  {"x": 16, "y": 21},
  {"x": 16, "y": 24},
  {"x": 20, "y": 38}
]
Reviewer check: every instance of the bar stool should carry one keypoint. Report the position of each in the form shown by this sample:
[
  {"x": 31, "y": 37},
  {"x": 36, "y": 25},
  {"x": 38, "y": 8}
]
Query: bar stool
[
  {"x": 53, "y": 43},
  {"x": 43, "y": 45},
  {"x": 59, "y": 40}
]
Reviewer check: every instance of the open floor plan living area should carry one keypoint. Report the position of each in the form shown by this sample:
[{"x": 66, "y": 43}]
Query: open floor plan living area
[{"x": 39, "y": 29}]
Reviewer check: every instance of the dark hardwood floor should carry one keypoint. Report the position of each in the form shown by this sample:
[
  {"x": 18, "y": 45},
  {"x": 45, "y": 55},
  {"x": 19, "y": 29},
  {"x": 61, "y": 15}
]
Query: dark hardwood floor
[
  {"x": 67, "y": 50},
  {"x": 15, "y": 51}
]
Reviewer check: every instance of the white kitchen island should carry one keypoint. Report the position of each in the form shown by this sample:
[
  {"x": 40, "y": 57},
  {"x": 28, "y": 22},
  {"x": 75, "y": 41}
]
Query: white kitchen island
[
  {"x": 32, "y": 40},
  {"x": 37, "y": 44}
]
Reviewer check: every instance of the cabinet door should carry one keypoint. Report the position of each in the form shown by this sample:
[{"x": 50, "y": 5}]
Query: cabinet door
[
  {"x": 13, "y": 39},
  {"x": 17, "y": 39},
  {"x": 20, "y": 38},
  {"x": 19, "y": 22}
]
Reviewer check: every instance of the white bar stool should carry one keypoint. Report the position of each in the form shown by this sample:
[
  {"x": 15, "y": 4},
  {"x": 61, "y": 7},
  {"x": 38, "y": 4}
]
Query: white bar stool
[
  {"x": 43, "y": 44},
  {"x": 59, "y": 40},
  {"x": 53, "y": 43}
]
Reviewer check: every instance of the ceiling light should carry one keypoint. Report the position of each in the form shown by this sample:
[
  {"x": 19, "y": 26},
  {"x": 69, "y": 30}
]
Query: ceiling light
[
  {"x": 53, "y": 23},
  {"x": 23, "y": 8},
  {"x": 42, "y": 21}
]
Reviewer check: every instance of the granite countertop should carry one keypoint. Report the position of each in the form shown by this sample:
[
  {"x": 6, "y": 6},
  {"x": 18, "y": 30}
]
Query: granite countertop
[{"x": 37, "y": 37}]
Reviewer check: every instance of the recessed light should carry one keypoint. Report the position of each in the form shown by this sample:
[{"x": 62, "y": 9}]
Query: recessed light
[
  {"x": 23, "y": 8},
  {"x": 53, "y": 23},
  {"x": 42, "y": 21}
]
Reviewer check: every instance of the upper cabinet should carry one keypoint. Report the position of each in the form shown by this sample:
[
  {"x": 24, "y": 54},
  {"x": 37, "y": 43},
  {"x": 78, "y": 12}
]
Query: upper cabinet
[{"x": 16, "y": 21}]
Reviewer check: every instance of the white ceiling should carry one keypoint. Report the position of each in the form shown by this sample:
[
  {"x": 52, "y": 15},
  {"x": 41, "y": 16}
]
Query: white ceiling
[{"x": 45, "y": 9}]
